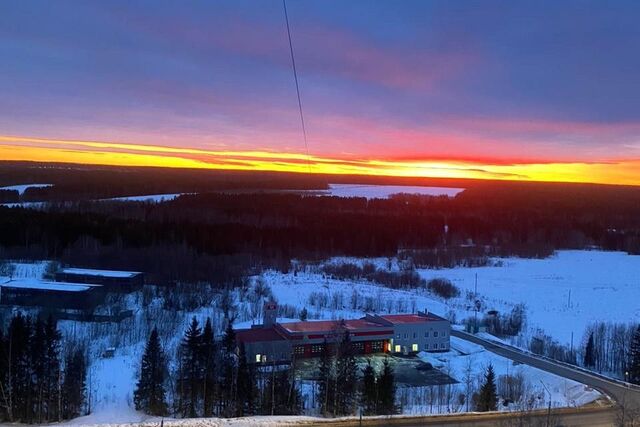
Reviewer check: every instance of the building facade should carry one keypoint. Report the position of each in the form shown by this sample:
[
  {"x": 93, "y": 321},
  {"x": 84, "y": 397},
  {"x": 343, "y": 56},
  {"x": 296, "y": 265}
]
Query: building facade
[{"x": 274, "y": 342}]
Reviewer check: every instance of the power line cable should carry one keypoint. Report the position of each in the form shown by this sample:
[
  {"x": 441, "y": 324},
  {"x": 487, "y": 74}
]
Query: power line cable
[{"x": 295, "y": 76}]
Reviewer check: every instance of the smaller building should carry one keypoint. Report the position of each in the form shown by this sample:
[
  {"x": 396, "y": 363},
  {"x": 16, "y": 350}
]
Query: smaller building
[
  {"x": 112, "y": 280},
  {"x": 56, "y": 295}
]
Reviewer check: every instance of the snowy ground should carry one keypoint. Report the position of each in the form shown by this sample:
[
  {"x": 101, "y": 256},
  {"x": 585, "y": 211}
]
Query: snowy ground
[
  {"x": 151, "y": 198},
  {"x": 384, "y": 191},
  {"x": 563, "y": 293}
]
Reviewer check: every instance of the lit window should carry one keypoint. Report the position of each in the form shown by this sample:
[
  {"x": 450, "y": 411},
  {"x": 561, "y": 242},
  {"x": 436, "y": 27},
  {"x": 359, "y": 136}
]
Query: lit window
[
  {"x": 258, "y": 358},
  {"x": 264, "y": 358},
  {"x": 414, "y": 347},
  {"x": 397, "y": 349}
]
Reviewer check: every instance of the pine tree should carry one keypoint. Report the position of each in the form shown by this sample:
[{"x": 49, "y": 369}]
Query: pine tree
[
  {"x": 246, "y": 388},
  {"x": 487, "y": 397},
  {"x": 208, "y": 356},
  {"x": 386, "y": 390},
  {"x": 589, "y": 359},
  {"x": 346, "y": 377},
  {"x": 327, "y": 378},
  {"x": 369, "y": 393},
  {"x": 190, "y": 371},
  {"x": 634, "y": 359},
  {"x": 150, "y": 393},
  {"x": 304, "y": 314},
  {"x": 20, "y": 379},
  {"x": 38, "y": 362}
]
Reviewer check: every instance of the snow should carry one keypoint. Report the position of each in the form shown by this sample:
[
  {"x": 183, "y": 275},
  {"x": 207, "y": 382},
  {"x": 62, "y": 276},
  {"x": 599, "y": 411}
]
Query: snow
[
  {"x": 102, "y": 273},
  {"x": 384, "y": 191},
  {"x": 21, "y": 188},
  {"x": 151, "y": 198},
  {"x": 563, "y": 293},
  {"x": 33, "y": 283}
]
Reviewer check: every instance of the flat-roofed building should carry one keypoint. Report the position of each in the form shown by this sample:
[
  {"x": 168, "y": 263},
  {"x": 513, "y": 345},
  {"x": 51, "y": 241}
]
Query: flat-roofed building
[
  {"x": 398, "y": 333},
  {"x": 112, "y": 280},
  {"x": 58, "y": 295}
]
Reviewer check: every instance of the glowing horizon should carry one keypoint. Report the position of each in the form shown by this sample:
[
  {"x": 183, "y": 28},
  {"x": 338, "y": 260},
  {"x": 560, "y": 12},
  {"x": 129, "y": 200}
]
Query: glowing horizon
[{"x": 122, "y": 154}]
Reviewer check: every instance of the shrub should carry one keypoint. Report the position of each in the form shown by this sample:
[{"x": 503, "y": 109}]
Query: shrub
[{"x": 443, "y": 288}]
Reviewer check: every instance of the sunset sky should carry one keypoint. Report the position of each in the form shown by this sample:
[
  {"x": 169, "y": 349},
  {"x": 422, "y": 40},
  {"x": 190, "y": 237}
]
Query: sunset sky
[{"x": 533, "y": 90}]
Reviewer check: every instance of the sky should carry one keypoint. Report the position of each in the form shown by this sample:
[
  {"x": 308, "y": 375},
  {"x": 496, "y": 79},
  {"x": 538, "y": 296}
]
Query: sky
[{"x": 544, "y": 90}]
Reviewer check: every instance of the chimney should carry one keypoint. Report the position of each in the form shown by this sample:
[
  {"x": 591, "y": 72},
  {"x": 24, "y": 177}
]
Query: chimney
[{"x": 270, "y": 311}]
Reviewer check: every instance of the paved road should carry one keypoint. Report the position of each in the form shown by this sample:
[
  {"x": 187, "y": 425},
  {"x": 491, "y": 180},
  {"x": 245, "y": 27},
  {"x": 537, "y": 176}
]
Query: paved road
[{"x": 616, "y": 390}]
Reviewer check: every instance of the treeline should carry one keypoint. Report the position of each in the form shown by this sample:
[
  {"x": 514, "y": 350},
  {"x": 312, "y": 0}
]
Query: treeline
[
  {"x": 41, "y": 380},
  {"x": 222, "y": 237},
  {"x": 613, "y": 348},
  {"x": 212, "y": 379}
]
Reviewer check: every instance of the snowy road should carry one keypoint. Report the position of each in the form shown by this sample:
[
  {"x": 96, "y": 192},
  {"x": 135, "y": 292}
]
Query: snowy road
[{"x": 618, "y": 391}]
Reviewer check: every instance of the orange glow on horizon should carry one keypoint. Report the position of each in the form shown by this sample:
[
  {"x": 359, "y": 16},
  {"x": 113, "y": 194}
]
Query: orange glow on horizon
[{"x": 625, "y": 172}]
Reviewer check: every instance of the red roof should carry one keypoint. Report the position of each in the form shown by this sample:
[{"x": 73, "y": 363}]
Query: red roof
[
  {"x": 328, "y": 325},
  {"x": 410, "y": 318},
  {"x": 258, "y": 335}
]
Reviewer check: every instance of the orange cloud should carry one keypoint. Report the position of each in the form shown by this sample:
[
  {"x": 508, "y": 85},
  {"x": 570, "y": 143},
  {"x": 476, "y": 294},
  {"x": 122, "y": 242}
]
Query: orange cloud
[{"x": 123, "y": 154}]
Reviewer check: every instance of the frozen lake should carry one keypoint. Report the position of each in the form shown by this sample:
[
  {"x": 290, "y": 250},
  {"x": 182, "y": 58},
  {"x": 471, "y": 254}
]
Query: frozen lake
[{"x": 384, "y": 191}]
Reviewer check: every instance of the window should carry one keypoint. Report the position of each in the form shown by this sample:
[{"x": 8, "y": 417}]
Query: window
[
  {"x": 442, "y": 345},
  {"x": 426, "y": 346},
  {"x": 258, "y": 358},
  {"x": 299, "y": 350},
  {"x": 398, "y": 336},
  {"x": 435, "y": 334},
  {"x": 444, "y": 334},
  {"x": 397, "y": 349},
  {"x": 426, "y": 334},
  {"x": 406, "y": 335},
  {"x": 414, "y": 347},
  {"x": 264, "y": 358}
]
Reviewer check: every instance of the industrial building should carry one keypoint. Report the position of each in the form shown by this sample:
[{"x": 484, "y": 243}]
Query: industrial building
[
  {"x": 55, "y": 295},
  {"x": 112, "y": 280},
  {"x": 275, "y": 342}
]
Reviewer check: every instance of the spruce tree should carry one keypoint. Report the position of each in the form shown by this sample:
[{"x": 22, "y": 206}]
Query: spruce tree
[
  {"x": 74, "y": 384},
  {"x": 229, "y": 371},
  {"x": 589, "y": 359},
  {"x": 346, "y": 377},
  {"x": 20, "y": 379},
  {"x": 386, "y": 390},
  {"x": 327, "y": 379},
  {"x": 278, "y": 398},
  {"x": 369, "y": 393},
  {"x": 150, "y": 393},
  {"x": 246, "y": 388},
  {"x": 208, "y": 356},
  {"x": 487, "y": 397},
  {"x": 52, "y": 370},
  {"x": 190, "y": 371},
  {"x": 634, "y": 359}
]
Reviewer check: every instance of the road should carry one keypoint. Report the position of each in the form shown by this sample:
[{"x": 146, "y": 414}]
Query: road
[{"x": 616, "y": 390}]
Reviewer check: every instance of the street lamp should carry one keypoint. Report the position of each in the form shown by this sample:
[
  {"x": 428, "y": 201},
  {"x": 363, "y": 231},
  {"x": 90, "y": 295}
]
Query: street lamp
[{"x": 549, "y": 410}]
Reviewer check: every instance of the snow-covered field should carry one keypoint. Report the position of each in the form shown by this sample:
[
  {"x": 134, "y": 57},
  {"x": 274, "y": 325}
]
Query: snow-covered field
[
  {"x": 23, "y": 187},
  {"x": 563, "y": 293},
  {"x": 384, "y": 191}
]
